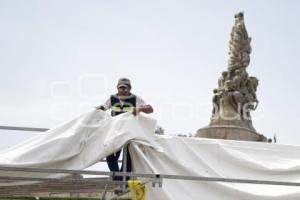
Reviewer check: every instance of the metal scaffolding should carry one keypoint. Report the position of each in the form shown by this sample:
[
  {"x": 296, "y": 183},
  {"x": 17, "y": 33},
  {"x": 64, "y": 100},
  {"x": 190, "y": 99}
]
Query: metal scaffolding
[{"x": 77, "y": 183}]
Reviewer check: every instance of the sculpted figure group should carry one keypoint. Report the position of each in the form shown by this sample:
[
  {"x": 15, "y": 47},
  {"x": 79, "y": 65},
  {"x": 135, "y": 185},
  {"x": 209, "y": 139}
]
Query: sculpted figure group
[{"x": 236, "y": 92}]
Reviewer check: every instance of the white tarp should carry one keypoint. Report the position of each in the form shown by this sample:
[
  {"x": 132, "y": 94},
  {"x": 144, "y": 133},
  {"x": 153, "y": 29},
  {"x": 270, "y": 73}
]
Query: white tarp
[
  {"x": 79, "y": 143},
  {"x": 90, "y": 137},
  {"x": 220, "y": 158}
]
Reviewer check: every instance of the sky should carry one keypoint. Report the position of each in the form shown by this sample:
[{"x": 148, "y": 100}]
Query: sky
[{"x": 61, "y": 58}]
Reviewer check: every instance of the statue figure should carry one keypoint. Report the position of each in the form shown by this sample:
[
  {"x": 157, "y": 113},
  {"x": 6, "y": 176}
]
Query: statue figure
[
  {"x": 216, "y": 102},
  {"x": 239, "y": 45},
  {"x": 222, "y": 80},
  {"x": 244, "y": 76},
  {"x": 237, "y": 79},
  {"x": 252, "y": 84},
  {"x": 232, "y": 96},
  {"x": 250, "y": 97}
]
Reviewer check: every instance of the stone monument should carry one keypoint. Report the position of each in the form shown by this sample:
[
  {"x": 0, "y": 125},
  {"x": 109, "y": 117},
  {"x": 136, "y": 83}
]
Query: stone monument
[{"x": 235, "y": 96}]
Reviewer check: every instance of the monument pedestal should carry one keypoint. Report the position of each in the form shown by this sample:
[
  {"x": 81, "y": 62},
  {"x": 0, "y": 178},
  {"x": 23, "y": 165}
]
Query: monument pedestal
[{"x": 230, "y": 132}]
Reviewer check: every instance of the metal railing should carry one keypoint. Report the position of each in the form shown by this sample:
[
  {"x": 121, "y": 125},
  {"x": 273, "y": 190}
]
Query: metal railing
[
  {"x": 18, "y": 128},
  {"x": 156, "y": 178}
]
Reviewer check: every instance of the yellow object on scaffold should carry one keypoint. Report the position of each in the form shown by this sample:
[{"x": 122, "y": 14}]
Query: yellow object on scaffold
[{"x": 137, "y": 189}]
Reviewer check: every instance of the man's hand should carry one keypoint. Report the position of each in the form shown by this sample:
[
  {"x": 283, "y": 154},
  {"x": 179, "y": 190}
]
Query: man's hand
[
  {"x": 145, "y": 109},
  {"x": 136, "y": 111},
  {"x": 100, "y": 108}
]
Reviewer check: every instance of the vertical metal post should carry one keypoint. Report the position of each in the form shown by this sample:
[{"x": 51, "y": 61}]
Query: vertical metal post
[
  {"x": 125, "y": 149},
  {"x": 104, "y": 193}
]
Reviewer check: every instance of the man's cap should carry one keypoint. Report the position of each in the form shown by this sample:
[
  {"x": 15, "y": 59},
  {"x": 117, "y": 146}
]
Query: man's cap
[{"x": 124, "y": 82}]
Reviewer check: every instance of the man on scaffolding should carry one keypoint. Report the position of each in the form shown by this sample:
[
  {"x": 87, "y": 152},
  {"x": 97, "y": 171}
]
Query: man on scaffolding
[{"x": 123, "y": 101}]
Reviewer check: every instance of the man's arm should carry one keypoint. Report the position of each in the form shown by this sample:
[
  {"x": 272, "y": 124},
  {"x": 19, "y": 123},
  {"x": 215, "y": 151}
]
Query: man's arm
[
  {"x": 145, "y": 109},
  {"x": 105, "y": 106},
  {"x": 142, "y": 106}
]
